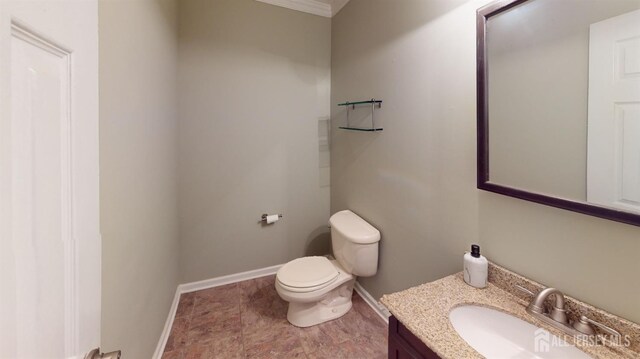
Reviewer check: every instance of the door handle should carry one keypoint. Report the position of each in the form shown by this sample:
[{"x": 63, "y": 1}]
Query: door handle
[{"x": 95, "y": 354}]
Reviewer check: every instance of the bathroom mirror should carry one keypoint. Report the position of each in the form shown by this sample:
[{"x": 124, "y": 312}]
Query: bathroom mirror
[{"x": 559, "y": 104}]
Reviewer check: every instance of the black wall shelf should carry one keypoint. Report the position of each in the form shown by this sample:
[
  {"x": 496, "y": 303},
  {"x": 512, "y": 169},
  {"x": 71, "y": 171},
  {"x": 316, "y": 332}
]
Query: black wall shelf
[{"x": 374, "y": 103}]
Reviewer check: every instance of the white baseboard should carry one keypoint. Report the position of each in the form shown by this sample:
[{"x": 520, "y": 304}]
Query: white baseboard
[
  {"x": 164, "y": 336},
  {"x": 228, "y": 279},
  {"x": 374, "y": 304},
  {"x": 205, "y": 284}
]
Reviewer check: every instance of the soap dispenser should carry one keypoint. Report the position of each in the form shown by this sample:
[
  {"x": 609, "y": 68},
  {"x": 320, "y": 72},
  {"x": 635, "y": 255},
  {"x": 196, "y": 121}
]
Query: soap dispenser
[{"x": 475, "y": 268}]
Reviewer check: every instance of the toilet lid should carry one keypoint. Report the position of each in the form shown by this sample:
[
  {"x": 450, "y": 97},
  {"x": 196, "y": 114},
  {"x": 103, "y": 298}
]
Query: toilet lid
[{"x": 307, "y": 272}]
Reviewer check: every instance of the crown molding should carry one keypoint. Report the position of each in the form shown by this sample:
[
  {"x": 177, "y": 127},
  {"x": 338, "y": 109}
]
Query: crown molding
[
  {"x": 337, "y": 5},
  {"x": 309, "y": 6}
]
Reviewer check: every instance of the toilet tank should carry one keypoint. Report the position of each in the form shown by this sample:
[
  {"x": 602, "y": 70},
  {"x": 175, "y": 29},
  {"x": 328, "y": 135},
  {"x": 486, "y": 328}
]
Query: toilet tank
[{"x": 355, "y": 243}]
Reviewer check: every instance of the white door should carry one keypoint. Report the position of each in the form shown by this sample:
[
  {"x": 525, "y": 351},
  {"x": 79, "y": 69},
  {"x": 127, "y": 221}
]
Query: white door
[
  {"x": 49, "y": 220},
  {"x": 613, "y": 160}
]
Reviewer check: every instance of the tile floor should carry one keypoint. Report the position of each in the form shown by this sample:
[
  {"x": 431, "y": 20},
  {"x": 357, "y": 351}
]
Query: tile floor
[{"x": 249, "y": 320}]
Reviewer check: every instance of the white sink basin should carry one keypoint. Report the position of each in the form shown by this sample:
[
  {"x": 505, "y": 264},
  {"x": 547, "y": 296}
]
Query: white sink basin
[{"x": 495, "y": 334}]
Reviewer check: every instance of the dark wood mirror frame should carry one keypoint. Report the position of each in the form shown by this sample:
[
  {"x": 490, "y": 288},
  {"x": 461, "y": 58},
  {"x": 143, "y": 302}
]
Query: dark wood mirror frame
[{"x": 483, "y": 14}]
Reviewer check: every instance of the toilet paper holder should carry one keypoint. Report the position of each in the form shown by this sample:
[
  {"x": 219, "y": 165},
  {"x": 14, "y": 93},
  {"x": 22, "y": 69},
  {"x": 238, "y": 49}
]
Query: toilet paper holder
[{"x": 264, "y": 217}]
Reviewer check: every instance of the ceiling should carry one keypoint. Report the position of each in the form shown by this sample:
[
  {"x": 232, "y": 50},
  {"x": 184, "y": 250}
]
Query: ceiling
[{"x": 326, "y": 8}]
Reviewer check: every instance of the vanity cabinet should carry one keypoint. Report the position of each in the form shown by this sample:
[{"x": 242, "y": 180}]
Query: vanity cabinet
[{"x": 404, "y": 345}]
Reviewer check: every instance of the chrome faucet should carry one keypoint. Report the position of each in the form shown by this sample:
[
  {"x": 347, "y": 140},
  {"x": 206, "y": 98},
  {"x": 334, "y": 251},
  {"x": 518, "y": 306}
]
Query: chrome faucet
[
  {"x": 557, "y": 317},
  {"x": 557, "y": 312}
]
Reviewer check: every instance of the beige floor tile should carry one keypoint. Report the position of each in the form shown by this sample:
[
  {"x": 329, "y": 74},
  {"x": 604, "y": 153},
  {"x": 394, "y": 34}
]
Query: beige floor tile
[{"x": 249, "y": 320}]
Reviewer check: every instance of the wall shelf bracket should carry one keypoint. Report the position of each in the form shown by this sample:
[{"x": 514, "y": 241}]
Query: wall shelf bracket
[{"x": 352, "y": 105}]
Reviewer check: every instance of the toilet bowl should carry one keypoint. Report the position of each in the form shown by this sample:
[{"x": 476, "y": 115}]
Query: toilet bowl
[{"x": 319, "y": 289}]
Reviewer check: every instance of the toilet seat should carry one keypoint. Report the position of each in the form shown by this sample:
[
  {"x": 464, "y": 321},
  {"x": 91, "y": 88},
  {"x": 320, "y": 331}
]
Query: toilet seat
[{"x": 307, "y": 274}]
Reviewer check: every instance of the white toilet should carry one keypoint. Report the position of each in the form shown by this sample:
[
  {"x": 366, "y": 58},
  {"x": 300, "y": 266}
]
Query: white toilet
[{"x": 319, "y": 289}]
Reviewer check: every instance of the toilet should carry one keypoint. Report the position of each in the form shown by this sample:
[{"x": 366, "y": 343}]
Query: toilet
[{"x": 319, "y": 289}]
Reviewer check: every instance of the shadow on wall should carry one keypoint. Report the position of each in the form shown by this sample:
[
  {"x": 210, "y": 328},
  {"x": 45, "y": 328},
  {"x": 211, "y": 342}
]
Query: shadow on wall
[
  {"x": 247, "y": 25},
  {"x": 318, "y": 243},
  {"x": 414, "y": 14}
]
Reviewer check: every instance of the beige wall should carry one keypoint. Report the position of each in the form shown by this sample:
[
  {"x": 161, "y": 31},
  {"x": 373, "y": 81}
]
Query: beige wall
[
  {"x": 138, "y": 52},
  {"x": 253, "y": 94},
  {"x": 416, "y": 180}
]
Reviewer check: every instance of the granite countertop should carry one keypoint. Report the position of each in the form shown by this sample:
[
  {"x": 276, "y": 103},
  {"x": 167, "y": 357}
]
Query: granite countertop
[{"x": 424, "y": 310}]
